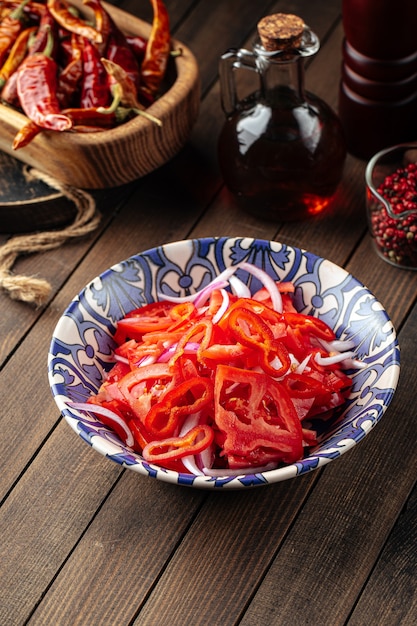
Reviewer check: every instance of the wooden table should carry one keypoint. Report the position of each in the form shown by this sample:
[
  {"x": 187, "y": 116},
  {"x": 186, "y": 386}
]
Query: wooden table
[{"x": 86, "y": 542}]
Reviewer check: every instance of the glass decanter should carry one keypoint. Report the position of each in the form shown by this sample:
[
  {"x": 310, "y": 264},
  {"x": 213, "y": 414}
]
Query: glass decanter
[{"x": 281, "y": 149}]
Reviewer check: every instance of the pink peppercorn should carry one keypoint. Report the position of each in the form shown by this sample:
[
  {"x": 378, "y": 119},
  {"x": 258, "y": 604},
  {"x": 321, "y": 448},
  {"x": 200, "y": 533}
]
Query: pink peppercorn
[{"x": 395, "y": 228}]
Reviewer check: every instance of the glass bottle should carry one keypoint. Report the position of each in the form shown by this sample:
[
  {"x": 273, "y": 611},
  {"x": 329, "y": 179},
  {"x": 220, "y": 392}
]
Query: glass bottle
[
  {"x": 281, "y": 149},
  {"x": 378, "y": 88}
]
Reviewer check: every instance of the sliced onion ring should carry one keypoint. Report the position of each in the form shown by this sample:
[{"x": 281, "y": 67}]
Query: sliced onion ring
[
  {"x": 223, "y": 307},
  {"x": 239, "y": 288},
  {"x": 96, "y": 409},
  {"x": 332, "y": 359},
  {"x": 268, "y": 282}
]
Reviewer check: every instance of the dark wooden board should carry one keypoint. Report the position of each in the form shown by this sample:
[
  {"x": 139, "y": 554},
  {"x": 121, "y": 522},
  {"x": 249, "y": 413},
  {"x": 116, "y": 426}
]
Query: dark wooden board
[{"x": 28, "y": 204}]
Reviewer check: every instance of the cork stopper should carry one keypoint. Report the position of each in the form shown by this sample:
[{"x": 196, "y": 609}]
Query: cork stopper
[{"x": 280, "y": 31}]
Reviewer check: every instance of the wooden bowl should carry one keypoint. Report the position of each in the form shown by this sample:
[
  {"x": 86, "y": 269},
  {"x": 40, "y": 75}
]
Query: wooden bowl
[{"x": 120, "y": 155}]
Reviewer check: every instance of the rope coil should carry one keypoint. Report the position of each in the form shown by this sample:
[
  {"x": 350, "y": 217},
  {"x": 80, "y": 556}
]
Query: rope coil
[{"x": 37, "y": 290}]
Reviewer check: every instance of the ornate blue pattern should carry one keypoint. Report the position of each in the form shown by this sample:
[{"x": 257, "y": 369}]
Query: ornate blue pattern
[{"x": 81, "y": 348}]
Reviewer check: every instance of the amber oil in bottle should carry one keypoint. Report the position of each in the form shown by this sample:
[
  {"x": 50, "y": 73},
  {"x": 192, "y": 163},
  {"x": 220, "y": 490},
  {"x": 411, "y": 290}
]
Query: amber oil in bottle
[{"x": 282, "y": 149}]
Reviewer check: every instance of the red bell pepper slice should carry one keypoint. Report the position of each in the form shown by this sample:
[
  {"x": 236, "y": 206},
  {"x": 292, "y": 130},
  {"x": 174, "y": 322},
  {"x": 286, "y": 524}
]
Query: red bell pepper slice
[
  {"x": 181, "y": 314},
  {"x": 307, "y": 324},
  {"x": 250, "y": 330},
  {"x": 259, "y": 308},
  {"x": 200, "y": 332},
  {"x": 117, "y": 372},
  {"x": 304, "y": 386},
  {"x": 166, "y": 416},
  {"x": 195, "y": 441}
]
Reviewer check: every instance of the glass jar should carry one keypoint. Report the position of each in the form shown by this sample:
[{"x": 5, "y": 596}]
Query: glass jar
[
  {"x": 281, "y": 149},
  {"x": 391, "y": 197}
]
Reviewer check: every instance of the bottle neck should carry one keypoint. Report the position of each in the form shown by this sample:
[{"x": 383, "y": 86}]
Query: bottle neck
[
  {"x": 281, "y": 72},
  {"x": 282, "y": 81}
]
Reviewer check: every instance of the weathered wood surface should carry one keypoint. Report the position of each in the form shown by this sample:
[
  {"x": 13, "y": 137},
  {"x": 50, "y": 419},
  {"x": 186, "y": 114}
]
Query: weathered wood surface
[{"x": 84, "y": 542}]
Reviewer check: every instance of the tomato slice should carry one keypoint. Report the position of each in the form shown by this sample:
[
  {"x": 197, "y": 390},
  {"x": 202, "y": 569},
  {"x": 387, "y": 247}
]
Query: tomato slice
[
  {"x": 257, "y": 418},
  {"x": 149, "y": 318}
]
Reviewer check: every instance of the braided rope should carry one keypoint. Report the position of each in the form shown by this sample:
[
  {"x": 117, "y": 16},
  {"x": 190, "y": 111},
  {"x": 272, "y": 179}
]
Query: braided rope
[{"x": 37, "y": 290}]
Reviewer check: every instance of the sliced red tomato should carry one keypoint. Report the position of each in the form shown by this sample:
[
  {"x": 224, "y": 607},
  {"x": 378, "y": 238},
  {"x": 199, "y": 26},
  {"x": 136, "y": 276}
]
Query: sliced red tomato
[
  {"x": 117, "y": 372},
  {"x": 257, "y": 418},
  {"x": 149, "y": 318}
]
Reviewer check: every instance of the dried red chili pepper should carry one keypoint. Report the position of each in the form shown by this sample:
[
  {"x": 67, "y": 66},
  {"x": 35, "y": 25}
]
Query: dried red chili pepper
[
  {"x": 33, "y": 10},
  {"x": 47, "y": 25},
  {"x": 119, "y": 77},
  {"x": 16, "y": 54},
  {"x": 123, "y": 91},
  {"x": 138, "y": 46},
  {"x": 10, "y": 27},
  {"x": 25, "y": 135},
  {"x": 36, "y": 88},
  {"x": 69, "y": 80},
  {"x": 103, "y": 22},
  {"x": 95, "y": 90},
  {"x": 119, "y": 52},
  {"x": 92, "y": 118},
  {"x": 9, "y": 91},
  {"x": 114, "y": 47},
  {"x": 157, "y": 50},
  {"x": 72, "y": 23}
]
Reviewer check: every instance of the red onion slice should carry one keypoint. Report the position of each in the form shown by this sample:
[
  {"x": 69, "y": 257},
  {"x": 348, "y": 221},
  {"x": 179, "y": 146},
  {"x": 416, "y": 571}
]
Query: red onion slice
[
  {"x": 239, "y": 288},
  {"x": 223, "y": 307},
  {"x": 201, "y": 296},
  {"x": 268, "y": 282},
  {"x": 190, "y": 462},
  {"x": 121, "y": 359},
  {"x": 334, "y": 358},
  {"x": 96, "y": 409},
  {"x": 337, "y": 345}
]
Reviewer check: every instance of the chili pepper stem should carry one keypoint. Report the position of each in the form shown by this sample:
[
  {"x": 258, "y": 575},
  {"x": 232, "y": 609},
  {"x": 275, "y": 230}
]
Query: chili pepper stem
[
  {"x": 148, "y": 116},
  {"x": 117, "y": 92},
  {"x": 18, "y": 12}
]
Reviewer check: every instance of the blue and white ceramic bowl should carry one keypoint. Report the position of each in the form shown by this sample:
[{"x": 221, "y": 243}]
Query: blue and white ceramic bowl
[{"x": 81, "y": 347}]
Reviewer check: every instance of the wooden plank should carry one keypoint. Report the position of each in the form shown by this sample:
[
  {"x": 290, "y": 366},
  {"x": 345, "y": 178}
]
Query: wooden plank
[
  {"x": 342, "y": 530},
  {"x": 389, "y": 596},
  {"x": 44, "y": 516},
  {"x": 119, "y": 558},
  {"x": 224, "y": 556}
]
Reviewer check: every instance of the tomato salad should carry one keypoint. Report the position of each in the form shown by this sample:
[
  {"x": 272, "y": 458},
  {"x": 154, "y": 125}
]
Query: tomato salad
[{"x": 223, "y": 381}]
